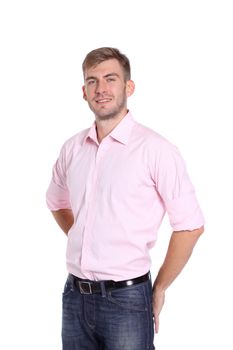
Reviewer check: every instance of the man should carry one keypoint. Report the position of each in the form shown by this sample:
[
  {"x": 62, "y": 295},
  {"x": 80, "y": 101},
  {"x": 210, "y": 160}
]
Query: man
[{"x": 111, "y": 187}]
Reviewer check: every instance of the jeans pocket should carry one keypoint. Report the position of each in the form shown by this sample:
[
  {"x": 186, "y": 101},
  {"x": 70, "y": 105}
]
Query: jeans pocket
[
  {"x": 67, "y": 289},
  {"x": 131, "y": 298}
]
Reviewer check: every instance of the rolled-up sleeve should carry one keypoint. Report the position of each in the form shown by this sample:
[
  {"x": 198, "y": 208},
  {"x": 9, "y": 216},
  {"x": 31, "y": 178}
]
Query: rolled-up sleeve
[
  {"x": 57, "y": 195},
  {"x": 176, "y": 190},
  {"x": 184, "y": 213}
]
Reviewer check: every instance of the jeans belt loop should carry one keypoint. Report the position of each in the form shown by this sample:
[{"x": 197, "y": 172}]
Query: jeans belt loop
[{"x": 103, "y": 289}]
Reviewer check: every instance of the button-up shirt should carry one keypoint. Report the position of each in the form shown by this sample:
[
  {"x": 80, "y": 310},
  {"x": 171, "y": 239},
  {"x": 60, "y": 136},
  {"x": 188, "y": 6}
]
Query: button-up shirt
[{"x": 119, "y": 191}]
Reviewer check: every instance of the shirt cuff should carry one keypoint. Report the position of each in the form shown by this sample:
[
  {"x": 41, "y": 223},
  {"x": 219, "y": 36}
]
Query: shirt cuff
[
  {"x": 57, "y": 197},
  {"x": 184, "y": 213}
]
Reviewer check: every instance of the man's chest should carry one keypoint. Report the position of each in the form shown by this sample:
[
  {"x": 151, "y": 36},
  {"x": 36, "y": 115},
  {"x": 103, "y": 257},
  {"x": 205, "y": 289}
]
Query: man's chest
[{"x": 112, "y": 170}]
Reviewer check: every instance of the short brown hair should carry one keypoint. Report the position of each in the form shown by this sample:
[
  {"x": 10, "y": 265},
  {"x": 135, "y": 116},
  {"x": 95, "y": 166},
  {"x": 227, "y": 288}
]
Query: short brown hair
[{"x": 106, "y": 53}]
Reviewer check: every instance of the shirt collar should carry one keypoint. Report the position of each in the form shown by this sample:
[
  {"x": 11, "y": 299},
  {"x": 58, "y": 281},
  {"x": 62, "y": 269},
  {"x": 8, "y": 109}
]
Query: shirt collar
[
  {"x": 92, "y": 134},
  {"x": 120, "y": 133}
]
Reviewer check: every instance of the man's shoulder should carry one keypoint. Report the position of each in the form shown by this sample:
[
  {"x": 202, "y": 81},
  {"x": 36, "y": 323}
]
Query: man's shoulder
[
  {"x": 156, "y": 146},
  {"x": 151, "y": 137},
  {"x": 76, "y": 140}
]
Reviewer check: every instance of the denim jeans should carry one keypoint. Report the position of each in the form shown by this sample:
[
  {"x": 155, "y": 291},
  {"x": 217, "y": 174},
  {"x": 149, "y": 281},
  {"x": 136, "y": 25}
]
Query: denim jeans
[{"x": 120, "y": 319}]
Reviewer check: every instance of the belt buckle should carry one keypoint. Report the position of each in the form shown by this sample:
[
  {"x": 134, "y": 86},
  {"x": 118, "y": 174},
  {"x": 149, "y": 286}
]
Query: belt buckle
[{"x": 83, "y": 289}]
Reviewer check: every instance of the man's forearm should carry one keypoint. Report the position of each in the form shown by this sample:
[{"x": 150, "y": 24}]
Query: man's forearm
[
  {"x": 64, "y": 218},
  {"x": 179, "y": 250}
]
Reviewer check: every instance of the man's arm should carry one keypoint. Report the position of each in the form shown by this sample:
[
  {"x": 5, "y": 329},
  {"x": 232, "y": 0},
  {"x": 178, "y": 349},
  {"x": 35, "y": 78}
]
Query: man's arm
[
  {"x": 179, "y": 250},
  {"x": 64, "y": 218}
]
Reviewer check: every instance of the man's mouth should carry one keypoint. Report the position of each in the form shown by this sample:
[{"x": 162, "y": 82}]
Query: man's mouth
[{"x": 103, "y": 100}]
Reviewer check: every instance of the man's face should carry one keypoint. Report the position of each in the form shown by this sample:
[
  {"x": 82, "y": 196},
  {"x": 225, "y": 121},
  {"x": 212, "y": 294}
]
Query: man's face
[{"x": 106, "y": 90}]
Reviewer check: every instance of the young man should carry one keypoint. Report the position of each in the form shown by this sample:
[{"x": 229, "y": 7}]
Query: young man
[{"x": 111, "y": 187}]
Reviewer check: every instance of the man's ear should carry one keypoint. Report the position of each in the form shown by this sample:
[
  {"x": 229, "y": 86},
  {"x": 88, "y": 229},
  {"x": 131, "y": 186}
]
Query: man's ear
[
  {"x": 84, "y": 93},
  {"x": 130, "y": 87}
]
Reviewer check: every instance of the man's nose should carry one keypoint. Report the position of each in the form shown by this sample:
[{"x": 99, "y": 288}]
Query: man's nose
[{"x": 101, "y": 87}]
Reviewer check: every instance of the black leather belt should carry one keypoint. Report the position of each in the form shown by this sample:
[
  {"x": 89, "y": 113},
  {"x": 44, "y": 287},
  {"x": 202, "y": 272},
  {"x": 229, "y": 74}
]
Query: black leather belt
[{"x": 92, "y": 287}]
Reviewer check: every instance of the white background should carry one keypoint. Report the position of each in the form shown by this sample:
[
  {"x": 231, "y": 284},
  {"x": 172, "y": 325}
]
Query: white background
[{"x": 181, "y": 56}]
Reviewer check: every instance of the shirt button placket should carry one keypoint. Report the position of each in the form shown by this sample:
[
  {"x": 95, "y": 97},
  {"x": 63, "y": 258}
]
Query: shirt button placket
[{"x": 86, "y": 251}]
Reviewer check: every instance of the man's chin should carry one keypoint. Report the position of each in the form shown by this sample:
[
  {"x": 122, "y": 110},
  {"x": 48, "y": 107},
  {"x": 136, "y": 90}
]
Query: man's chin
[{"x": 105, "y": 115}]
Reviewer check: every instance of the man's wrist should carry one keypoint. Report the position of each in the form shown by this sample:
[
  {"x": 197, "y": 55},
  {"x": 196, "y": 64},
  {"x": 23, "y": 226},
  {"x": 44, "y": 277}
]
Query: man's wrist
[
  {"x": 159, "y": 287},
  {"x": 160, "y": 283}
]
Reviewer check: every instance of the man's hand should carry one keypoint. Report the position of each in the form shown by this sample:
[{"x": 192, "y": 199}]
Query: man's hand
[{"x": 158, "y": 301}]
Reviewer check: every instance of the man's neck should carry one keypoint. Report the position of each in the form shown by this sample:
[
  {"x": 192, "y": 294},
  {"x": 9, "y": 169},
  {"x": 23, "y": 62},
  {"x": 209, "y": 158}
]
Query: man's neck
[{"x": 104, "y": 127}]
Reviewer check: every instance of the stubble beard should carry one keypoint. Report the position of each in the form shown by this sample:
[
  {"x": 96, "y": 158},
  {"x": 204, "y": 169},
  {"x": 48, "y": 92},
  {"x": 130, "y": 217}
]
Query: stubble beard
[{"x": 111, "y": 114}]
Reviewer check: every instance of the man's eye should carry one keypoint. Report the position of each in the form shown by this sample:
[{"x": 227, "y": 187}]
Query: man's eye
[
  {"x": 110, "y": 79},
  {"x": 91, "y": 82}
]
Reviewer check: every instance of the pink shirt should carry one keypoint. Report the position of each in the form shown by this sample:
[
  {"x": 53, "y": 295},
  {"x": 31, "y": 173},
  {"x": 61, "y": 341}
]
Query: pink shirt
[{"x": 119, "y": 191}]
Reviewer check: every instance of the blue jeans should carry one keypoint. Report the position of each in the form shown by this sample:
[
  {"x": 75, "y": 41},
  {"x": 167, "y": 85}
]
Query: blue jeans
[{"x": 120, "y": 319}]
